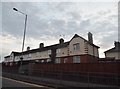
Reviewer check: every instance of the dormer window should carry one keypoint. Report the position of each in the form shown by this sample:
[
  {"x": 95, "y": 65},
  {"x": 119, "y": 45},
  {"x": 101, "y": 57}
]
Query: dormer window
[{"x": 76, "y": 46}]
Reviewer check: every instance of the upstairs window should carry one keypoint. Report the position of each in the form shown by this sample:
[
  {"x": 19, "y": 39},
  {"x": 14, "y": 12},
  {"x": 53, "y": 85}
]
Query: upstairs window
[
  {"x": 29, "y": 55},
  {"x": 49, "y": 51},
  {"x": 58, "y": 51},
  {"x": 76, "y": 46},
  {"x": 37, "y": 54}
]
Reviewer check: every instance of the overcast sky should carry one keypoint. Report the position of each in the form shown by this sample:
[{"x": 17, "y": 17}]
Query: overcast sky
[{"x": 48, "y": 20}]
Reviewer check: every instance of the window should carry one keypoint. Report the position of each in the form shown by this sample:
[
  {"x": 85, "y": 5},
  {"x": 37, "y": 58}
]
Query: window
[
  {"x": 57, "y": 60},
  {"x": 76, "y": 59},
  {"x": 37, "y": 54},
  {"x": 65, "y": 60},
  {"x": 29, "y": 55},
  {"x": 49, "y": 51},
  {"x": 36, "y": 60},
  {"x": 76, "y": 46},
  {"x": 42, "y": 61},
  {"x": 6, "y": 63},
  {"x": 58, "y": 51},
  {"x": 48, "y": 60},
  {"x": 16, "y": 63},
  {"x": 11, "y": 64}
]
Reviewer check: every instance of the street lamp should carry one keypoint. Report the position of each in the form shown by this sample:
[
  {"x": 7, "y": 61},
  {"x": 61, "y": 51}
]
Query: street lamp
[{"x": 24, "y": 32}]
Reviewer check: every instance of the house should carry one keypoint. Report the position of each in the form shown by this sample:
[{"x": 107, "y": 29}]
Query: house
[
  {"x": 77, "y": 50},
  {"x": 114, "y": 52},
  {"x": 11, "y": 58},
  {"x": 106, "y": 60}
]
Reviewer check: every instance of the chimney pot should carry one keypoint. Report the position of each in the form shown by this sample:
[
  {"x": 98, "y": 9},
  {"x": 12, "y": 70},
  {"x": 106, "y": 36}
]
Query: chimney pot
[
  {"x": 41, "y": 45},
  {"x": 117, "y": 44},
  {"x": 28, "y": 48},
  {"x": 61, "y": 40}
]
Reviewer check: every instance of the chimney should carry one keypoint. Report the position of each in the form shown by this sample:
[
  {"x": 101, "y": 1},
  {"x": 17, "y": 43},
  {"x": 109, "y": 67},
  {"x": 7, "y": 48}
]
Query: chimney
[
  {"x": 28, "y": 48},
  {"x": 90, "y": 38},
  {"x": 117, "y": 44},
  {"x": 41, "y": 45},
  {"x": 61, "y": 41}
]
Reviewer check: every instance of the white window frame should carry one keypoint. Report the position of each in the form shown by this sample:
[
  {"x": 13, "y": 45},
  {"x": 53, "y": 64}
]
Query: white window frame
[
  {"x": 65, "y": 60},
  {"x": 76, "y": 46},
  {"x": 37, "y": 60},
  {"x": 29, "y": 55},
  {"x": 11, "y": 64},
  {"x": 42, "y": 61},
  {"x": 76, "y": 59},
  {"x": 49, "y": 51},
  {"x": 48, "y": 60},
  {"x": 58, "y": 51},
  {"x": 37, "y": 54},
  {"x": 57, "y": 60}
]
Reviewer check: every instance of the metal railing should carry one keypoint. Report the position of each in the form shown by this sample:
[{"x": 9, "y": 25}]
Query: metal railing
[{"x": 86, "y": 78}]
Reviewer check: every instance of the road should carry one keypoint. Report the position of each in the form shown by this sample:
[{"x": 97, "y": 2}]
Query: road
[{"x": 7, "y": 82}]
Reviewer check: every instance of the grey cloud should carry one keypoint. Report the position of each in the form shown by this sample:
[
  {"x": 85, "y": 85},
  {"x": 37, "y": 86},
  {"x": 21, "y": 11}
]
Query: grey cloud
[
  {"x": 47, "y": 21},
  {"x": 85, "y": 23},
  {"x": 64, "y": 6},
  {"x": 74, "y": 15}
]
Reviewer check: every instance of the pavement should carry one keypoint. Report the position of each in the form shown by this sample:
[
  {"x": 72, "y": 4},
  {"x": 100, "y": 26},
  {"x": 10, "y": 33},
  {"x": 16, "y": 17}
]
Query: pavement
[
  {"x": 8, "y": 82},
  {"x": 59, "y": 84}
]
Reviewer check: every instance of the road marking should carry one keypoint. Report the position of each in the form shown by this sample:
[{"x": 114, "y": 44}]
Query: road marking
[{"x": 23, "y": 82}]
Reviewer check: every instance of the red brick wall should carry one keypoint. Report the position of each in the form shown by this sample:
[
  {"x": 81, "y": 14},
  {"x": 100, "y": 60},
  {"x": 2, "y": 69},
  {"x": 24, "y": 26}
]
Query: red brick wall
[
  {"x": 83, "y": 59},
  {"x": 69, "y": 59}
]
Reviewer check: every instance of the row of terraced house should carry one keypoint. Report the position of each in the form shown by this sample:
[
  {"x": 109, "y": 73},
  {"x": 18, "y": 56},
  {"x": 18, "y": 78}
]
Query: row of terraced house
[{"x": 77, "y": 50}]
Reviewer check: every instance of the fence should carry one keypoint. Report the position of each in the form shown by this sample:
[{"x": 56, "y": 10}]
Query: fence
[
  {"x": 83, "y": 67},
  {"x": 100, "y": 73}
]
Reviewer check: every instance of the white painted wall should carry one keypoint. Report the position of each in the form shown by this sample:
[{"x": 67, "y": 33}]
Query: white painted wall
[
  {"x": 83, "y": 45},
  {"x": 92, "y": 50},
  {"x": 74, "y": 41},
  {"x": 63, "y": 52},
  {"x": 17, "y": 58},
  {"x": 7, "y": 59},
  {"x": 40, "y": 55}
]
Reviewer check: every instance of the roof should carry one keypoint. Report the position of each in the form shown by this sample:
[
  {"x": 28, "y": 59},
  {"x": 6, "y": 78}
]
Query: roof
[
  {"x": 113, "y": 50},
  {"x": 106, "y": 59},
  {"x": 7, "y": 56},
  {"x": 15, "y": 53},
  {"x": 116, "y": 48},
  {"x": 56, "y": 46},
  {"x": 76, "y": 35}
]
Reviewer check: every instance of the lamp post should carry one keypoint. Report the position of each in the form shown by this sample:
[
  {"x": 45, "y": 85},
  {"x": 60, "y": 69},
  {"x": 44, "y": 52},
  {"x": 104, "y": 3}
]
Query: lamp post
[{"x": 23, "y": 34}]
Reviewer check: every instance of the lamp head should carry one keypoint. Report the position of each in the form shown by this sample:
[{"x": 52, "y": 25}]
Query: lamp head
[{"x": 15, "y": 9}]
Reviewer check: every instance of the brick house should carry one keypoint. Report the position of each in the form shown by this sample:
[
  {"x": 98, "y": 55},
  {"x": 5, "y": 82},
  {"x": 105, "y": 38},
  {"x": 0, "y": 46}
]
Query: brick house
[{"x": 77, "y": 50}]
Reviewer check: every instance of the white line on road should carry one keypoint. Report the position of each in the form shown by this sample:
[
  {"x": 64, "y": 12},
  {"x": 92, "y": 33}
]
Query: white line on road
[{"x": 35, "y": 85}]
